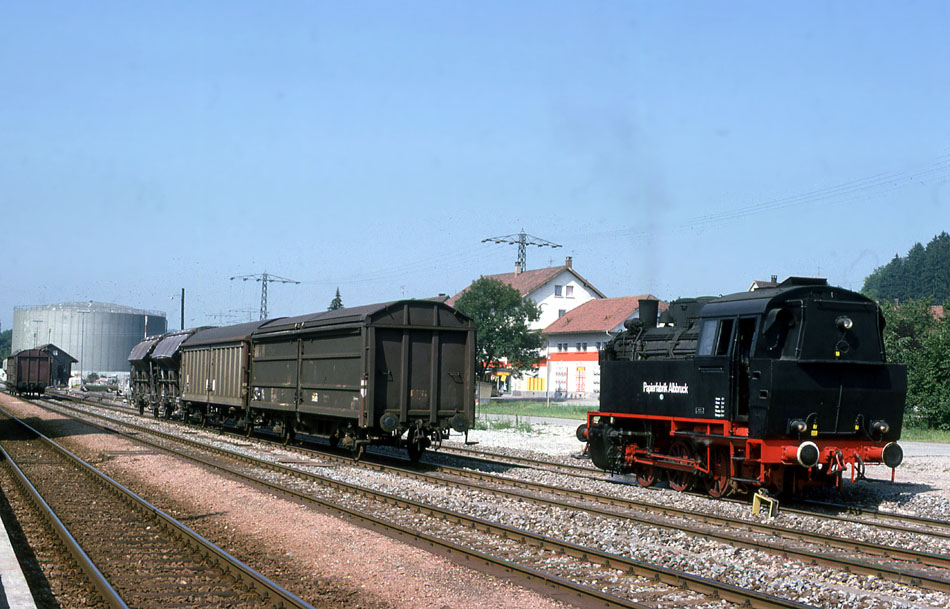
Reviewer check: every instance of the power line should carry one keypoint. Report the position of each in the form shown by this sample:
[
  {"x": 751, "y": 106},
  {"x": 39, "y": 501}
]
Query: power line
[{"x": 264, "y": 278}]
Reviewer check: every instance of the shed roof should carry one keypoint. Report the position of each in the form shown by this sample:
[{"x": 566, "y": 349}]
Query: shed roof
[
  {"x": 600, "y": 315},
  {"x": 51, "y": 348}
]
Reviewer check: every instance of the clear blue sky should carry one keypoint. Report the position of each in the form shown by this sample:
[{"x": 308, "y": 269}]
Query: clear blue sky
[{"x": 674, "y": 148}]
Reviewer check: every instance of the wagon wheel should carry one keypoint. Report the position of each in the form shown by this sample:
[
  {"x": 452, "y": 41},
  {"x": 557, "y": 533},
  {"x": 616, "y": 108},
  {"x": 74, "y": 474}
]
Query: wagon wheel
[
  {"x": 719, "y": 484},
  {"x": 334, "y": 440},
  {"x": 155, "y": 411},
  {"x": 141, "y": 408},
  {"x": 646, "y": 475},
  {"x": 680, "y": 480}
]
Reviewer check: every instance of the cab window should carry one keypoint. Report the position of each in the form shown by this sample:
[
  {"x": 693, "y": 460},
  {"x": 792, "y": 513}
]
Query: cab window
[{"x": 715, "y": 336}]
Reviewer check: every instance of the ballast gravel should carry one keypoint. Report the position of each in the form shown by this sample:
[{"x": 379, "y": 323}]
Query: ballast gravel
[{"x": 369, "y": 570}]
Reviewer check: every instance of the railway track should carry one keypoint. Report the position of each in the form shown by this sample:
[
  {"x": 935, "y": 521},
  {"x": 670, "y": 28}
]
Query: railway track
[
  {"x": 846, "y": 515},
  {"x": 558, "y": 563},
  {"x": 133, "y": 553},
  {"x": 915, "y": 574},
  {"x": 905, "y": 523}
]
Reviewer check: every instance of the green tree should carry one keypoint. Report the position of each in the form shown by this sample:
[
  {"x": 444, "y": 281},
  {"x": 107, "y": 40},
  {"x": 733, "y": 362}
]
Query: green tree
[
  {"x": 502, "y": 316},
  {"x": 923, "y": 273},
  {"x": 917, "y": 336},
  {"x": 336, "y": 303},
  {"x": 6, "y": 343}
]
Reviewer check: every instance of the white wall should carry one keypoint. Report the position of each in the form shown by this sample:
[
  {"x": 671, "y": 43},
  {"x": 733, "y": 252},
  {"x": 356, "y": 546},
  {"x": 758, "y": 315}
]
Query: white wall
[{"x": 551, "y": 304}]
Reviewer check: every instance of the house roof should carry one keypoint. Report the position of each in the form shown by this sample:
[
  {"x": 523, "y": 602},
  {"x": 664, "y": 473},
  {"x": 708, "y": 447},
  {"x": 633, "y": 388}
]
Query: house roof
[
  {"x": 601, "y": 315},
  {"x": 51, "y": 347},
  {"x": 527, "y": 282},
  {"x": 760, "y": 284}
]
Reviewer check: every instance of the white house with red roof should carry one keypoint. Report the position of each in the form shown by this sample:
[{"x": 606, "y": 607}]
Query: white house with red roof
[
  {"x": 557, "y": 290},
  {"x": 571, "y": 367}
]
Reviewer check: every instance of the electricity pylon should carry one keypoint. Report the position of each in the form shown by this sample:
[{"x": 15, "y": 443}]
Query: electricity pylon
[
  {"x": 522, "y": 240},
  {"x": 264, "y": 278}
]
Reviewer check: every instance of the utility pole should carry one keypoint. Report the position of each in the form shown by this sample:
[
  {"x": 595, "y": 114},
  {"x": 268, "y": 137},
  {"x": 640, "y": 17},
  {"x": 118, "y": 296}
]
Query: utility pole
[
  {"x": 264, "y": 278},
  {"x": 522, "y": 240}
]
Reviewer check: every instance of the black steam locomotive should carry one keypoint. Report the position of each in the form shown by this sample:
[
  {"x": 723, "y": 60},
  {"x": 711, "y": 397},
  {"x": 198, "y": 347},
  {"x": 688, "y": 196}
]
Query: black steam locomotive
[{"x": 779, "y": 388}]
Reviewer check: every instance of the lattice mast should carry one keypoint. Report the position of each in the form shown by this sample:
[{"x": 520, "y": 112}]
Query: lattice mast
[
  {"x": 522, "y": 240},
  {"x": 264, "y": 278}
]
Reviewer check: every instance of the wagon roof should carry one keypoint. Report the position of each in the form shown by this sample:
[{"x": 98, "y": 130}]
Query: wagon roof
[
  {"x": 361, "y": 314},
  {"x": 143, "y": 348},
  {"x": 224, "y": 334},
  {"x": 25, "y": 352},
  {"x": 169, "y": 344}
]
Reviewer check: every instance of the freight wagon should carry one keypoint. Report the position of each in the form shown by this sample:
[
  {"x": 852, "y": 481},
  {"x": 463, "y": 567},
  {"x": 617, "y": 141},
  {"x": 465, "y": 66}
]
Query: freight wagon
[{"x": 398, "y": 373}]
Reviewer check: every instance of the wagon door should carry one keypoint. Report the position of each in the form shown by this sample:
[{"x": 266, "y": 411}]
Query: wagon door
[
  {"x": 227, "y": 373},
  {"x": 330, "y": 372},
  {"x": 274, "y": 374},
  {"x": 194, "y": 375}
]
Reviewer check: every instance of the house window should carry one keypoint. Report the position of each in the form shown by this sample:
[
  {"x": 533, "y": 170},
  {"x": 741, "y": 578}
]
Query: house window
[
  {"x": 569, "y": 291},
  {"x": 584, "y": 346},
  {"x": 598, "y": 345},
  {"x": 560, "y": 380},
  {"x": 561, "y": 312},
  {"x": 580, "y": 379},
  {"x": 578, "y": 346},
  {"x": 558, "y": 289}
]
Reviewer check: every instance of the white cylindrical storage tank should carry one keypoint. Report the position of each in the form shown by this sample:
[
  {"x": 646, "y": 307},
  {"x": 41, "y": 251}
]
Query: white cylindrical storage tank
[{"x": 99, "y": 335}]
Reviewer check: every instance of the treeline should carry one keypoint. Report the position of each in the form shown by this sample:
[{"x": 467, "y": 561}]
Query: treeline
[
  {"x": 917, "y": 334},
  {"x": 6, "y": 342},
  {"x": 923, "y": 273}
]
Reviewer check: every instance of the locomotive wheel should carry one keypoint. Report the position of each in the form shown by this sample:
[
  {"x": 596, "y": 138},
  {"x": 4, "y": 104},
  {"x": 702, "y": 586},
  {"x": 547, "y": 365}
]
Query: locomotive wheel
[
  {"x": 719, "y": 484},
  {"x": 679, "y": 480},
  {"x": 646, "y": 475}
]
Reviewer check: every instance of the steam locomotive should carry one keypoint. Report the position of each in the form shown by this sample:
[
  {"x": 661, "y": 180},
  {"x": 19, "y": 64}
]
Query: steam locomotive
[{"x": 779, "y": 388}]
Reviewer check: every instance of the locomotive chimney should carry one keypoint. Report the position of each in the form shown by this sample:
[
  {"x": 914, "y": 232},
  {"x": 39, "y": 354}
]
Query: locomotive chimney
[{"x": 648, "y": 310}]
